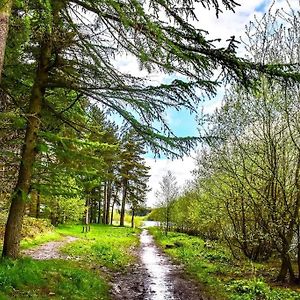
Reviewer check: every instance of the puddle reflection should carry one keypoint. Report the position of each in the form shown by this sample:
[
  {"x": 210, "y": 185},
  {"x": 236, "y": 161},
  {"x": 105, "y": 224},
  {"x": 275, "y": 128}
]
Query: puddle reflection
[{"x": 158, "y": 269}]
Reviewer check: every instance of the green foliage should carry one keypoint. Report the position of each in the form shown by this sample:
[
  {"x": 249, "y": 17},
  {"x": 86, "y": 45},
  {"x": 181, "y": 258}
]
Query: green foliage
[
  {"x": 26, "y": 278},
  {"x": 64, "y": 209},
  {"x": 155, "y": 215},
  {"x": 33, "y": 227},
  {"x": 127, "y": 219}
]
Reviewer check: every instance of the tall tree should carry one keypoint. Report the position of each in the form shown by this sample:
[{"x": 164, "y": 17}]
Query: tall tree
[
  {"x": 166, "y": 196},
  {"x": 132, "y": 168}
]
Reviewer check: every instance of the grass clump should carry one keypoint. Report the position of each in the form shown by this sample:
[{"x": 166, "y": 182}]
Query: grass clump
[
  {"x": 108, "y": 246},
  {"x": 258, "y": 289},
  {"x": 58, "y": 279}
]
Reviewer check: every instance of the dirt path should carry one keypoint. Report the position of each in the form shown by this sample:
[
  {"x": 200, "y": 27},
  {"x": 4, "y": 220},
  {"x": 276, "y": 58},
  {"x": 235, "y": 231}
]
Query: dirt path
[
  {"x": 49, "y": 250},
  {"x": 154, "y": 278}
]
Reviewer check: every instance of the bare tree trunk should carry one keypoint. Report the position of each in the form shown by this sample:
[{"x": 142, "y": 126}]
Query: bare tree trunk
[
  {"x": 123, "y": 203},
  {"x": 33, "y": 203},
  {"x": 5, "y": 11},
  {"x": 99, "y": 211},
  {"x": 99, "y": 204},
  {"x": 298, "y": 249},
  {"x": 112, "y": 212},
  {"x": 17, "y": 209},
  {"x": 38, "y": 205},
  {"x": 286, "y": 266}
]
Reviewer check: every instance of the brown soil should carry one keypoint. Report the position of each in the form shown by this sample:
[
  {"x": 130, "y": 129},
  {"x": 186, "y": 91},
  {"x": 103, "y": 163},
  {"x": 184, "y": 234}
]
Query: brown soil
[{"x": 49, "y": 250}]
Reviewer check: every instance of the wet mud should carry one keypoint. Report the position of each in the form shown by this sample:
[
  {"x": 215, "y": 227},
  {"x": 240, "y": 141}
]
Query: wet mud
[{"x": 154, "y": 277}]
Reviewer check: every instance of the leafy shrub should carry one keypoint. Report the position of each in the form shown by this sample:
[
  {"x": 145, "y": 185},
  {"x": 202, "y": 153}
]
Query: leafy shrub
[
  {"x": 216, "y": 255},
  {"x": 33, "y": 227}
]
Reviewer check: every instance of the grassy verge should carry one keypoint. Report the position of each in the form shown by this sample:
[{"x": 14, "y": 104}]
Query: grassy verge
[
  {"x": 81, "y": 278},
  {"x": 34, "y": 232},
  {"x": 26, "y": 278},
  {"x": 109, "y": 246},
  {"x": 221, "y": 276}
]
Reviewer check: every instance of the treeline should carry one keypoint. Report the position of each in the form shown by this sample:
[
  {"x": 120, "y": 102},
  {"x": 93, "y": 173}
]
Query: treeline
[
  {"x": 84, "y": 171},
  {"x": 246, "y": 190}
]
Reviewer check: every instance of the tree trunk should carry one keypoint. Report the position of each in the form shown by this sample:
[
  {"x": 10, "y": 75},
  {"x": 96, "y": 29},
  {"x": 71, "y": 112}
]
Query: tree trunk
[
  {"x": 298, "y": 249},
  {"x": 38, "y": 205},
  {"x": 32, "y": 204},
  {"x": 5, "y": 11},
  {"x": 286, "y": 266},
  {"x": 108, "y": 200},
  {"x": 17, "y": 209},
  {"x": 104, "y": 203},
  {"x": 112, "y": 212},
  {"x": 132, "y": 218},
  {"x": 99, "y": 211},
  {"x": 123, "y": 203}
]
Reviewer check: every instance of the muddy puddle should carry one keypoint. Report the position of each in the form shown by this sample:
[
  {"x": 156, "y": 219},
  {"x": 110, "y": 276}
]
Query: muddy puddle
[{"x": 158, "y": 269}]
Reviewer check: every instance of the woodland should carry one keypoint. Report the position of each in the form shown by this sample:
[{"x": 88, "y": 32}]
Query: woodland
[{"x": 75, "y": 131}]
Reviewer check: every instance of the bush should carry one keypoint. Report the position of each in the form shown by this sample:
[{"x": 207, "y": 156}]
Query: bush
[{"x": 33, "y": 227}]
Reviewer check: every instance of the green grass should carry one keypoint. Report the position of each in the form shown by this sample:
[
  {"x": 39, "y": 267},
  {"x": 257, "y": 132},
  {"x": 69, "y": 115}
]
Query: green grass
[
  {"x": 222, "y": 277},
  {"x": 109, "y": 246},
  {"x": 55, "y": 279}
]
